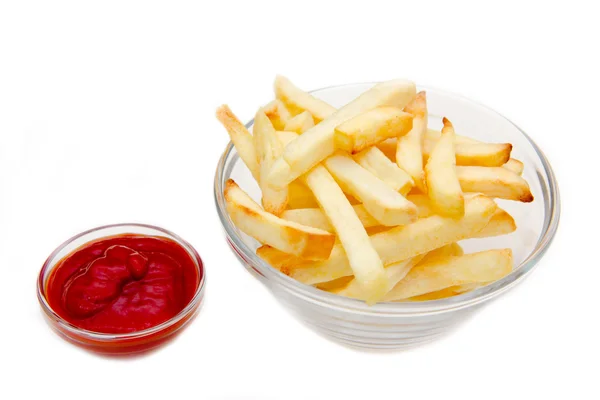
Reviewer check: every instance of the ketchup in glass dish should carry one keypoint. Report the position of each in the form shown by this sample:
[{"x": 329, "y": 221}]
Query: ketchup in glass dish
[{"x": 124, "y": 292}]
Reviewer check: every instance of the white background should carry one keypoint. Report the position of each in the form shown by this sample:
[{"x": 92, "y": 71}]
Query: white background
[{"x": 107, "y": 115}]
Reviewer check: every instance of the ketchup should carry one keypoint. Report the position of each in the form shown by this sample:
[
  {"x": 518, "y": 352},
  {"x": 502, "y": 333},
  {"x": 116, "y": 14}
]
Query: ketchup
[{"x": 123, "y": 284}]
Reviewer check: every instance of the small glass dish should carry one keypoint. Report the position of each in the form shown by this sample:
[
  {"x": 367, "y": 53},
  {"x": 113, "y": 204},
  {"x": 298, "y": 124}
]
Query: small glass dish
[
  {"x": 400, "y": 325},
  {"x": 121, "y": 343}
]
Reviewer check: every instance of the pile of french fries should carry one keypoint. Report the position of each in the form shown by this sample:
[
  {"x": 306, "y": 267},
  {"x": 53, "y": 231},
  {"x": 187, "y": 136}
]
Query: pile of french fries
[{"x": 366, "y": 201}]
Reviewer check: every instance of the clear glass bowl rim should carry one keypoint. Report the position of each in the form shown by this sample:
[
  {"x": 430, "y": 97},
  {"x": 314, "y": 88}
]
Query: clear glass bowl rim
[
  {"x": 394, "y": 309},
  {"x": 108, "y": 337}
]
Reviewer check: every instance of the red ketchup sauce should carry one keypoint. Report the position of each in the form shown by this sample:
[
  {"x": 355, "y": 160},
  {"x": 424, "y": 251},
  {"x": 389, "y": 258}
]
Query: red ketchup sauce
[{"x": 123, "y": 284}]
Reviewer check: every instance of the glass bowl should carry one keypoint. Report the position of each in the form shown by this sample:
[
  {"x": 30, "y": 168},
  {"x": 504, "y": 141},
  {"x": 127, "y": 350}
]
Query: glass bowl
[
  {"x": 400, "y": 325},
  {"x": 122, "y": 343}
]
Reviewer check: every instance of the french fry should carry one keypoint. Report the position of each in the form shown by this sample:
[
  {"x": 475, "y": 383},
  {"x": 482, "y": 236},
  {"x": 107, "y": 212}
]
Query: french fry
[
  {"x": 449, "y": 250},
  {"x": 241, "y": 138},
  {"x": 362, "y": 258},
  {"x": 277, "y": 112},
  {"x": 481, "y": 267},
  {"x": 316, "y": 144},
  {"x": 443, "y": 187},
  {"x": 477, "y": 154},
  {"x": 515, "y": 166},
  {"x": 447, "y": 292},
  {"x": 423, "y": 204},
  {"x": 286, "y": 137},
  {"x": 371, "y": 127},
  {"x": 317, "y": 219},
  {"x": 336, "y": 284},
  {"x": 502, "y": 223},
  {"x": 483, "y": 154},
  {"x": 473, "y": 152},
  {"x": 287, "y": 236},
  {"x": 268, "y": 147},
  {"x": 299, "y": 196},
  {"x": 372, "y": 230},
  {"x": 409, "y": 148},
  {"x": 382, "y": 202},
  {"x": 388, "y": 147},
  {"x": 494, "y": 182},
  {"x": 298, "y": 100},
  {"x": 300, "y": 123},
  {"x": 404, "y": 242},
  {"x": 374, "y": 161},
  {"x": 395, "y": 272},
  {"x": 433, "y": 232},
  {"x": 279, "y": 260}
]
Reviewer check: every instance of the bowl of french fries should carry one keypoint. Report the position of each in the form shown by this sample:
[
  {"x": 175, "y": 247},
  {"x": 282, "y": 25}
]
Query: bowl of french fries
[{"x": 382, "y": 215}]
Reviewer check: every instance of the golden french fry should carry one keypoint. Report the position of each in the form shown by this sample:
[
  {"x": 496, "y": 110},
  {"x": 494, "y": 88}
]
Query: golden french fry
[
  {"x": 311, "y": 216},
  {"x": 300, "y": 123},
  {"x": 423, "y": 204},
  {"x": 478, "y": 154},
  {"x": 389, "y": 147},
  {"x": 473, "y": 152},
  {"x": 395, "y": 272},
  {"x": 483, "y": 154},
  {"x": 409, "y": 148},
  {"x": 515, "y": 166},
  {"x": 277, "y": 113},
  {"x": 502, "y": 223},
  {"x": 404, "y": 242},
  {"x": 287, "y": 236},
  {"x": 481, "y": 267},
  {"x": 371, "y": 127},
  {"x": 433, "y": 232},
  {"x": 298, "y": 100},
  {"x": 299, "y": 196},
  {"x": 316, "y": 144},
  {"x": 316, "y": 218},
  {"x": 336, "y": 284},
  {"x": 443, "y": 187},
  {"x": 286, "y": 137},
  {"x": 372, "y": 230},
  {"x": 374, "y": 161},
  {"x": 241, "y": 138},
  {"x": 363, "y": 259},
  {"x": 447, "y": 292},
  {"x": 494, "y": 182},
  {"x": 357, "y": 248},
  {"x": 381, "y": 201},
  {"x": 268, "y": 147},
  {"x": 279, "y": 260},
  {"x": 449, "y": 250}
]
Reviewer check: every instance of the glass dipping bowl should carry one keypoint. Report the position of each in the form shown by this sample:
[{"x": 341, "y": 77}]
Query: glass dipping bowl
[
  {"x": 397, "y": 325},
  {"x": 119, "y": 343}
]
